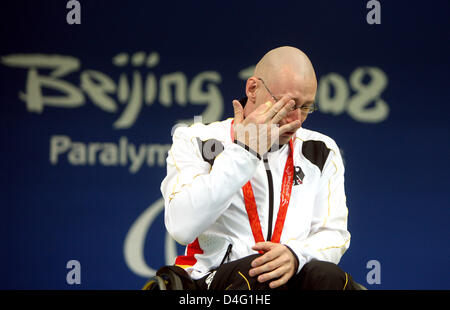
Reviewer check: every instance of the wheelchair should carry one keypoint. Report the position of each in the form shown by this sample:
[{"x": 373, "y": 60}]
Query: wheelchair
[{"x": 169, "y": 278}]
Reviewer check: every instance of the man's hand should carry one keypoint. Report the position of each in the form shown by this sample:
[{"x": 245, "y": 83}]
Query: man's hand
[
  {"x": 260, "y": 129},
  {"x": 278, "y": 262}
]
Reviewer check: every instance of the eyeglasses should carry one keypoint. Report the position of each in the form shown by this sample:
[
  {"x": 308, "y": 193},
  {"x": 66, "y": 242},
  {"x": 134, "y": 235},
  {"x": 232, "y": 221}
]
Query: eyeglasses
[{"x": 305, "y": 109}]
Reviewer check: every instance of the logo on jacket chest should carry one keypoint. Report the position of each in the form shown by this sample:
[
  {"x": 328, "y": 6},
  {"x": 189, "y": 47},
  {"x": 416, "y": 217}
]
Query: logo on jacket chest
[{"x": 298, "y": 175}]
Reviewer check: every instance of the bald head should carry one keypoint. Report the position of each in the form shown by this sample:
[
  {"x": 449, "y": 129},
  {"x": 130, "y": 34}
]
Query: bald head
[
  {"x": 287, "y": 73},
  {"x": 285, "y": 62}
]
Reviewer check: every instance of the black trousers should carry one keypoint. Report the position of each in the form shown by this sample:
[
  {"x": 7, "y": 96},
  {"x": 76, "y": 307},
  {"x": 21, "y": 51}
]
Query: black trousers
[{"x": 315, "y": 275}]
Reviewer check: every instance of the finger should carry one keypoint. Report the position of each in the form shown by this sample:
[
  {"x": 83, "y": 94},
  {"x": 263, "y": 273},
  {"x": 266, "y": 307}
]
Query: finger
[
  {"x": 289, "y": 127},
  {"x": 238, "y": 112},
  {"x": 274, "y": 274},
  {"x": 263, "y": 246},
  {"x": 277, "y": 106},
  {"x": 268, "y": 105},
  {"x": 281, "y": 281},
  {"x": 285, "y": 110},
  {"x": 265, "y": 271}
]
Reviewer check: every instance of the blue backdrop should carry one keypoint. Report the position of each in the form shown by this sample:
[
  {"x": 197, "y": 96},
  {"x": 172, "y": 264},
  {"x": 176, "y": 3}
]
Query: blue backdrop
[{"x": 87, "y": 110}]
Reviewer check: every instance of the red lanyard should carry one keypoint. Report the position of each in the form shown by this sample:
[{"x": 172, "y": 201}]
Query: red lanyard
[{"x": 285, "y": 197}]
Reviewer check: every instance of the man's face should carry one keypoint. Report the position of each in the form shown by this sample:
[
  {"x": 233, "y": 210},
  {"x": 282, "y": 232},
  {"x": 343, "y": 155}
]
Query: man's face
[{"x": 299, "y": 89}]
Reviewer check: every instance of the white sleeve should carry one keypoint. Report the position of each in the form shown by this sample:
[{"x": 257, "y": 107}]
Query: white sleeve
[
  {"x": 196, "y": 193},
  {"x": 328, "y": 238}
]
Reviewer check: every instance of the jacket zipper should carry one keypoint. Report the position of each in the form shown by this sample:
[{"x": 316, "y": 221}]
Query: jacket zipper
[
  {"x": 227, "y": 254},
  {"x": 270, "y": 181}
]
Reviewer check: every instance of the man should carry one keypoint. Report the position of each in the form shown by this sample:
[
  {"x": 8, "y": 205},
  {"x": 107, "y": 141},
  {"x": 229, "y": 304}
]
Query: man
[{"x": 260, "y": 200}]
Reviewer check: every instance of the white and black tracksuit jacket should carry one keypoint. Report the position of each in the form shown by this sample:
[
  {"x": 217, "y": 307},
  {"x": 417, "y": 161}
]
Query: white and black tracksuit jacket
[{"x": 204, "y": 205}]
